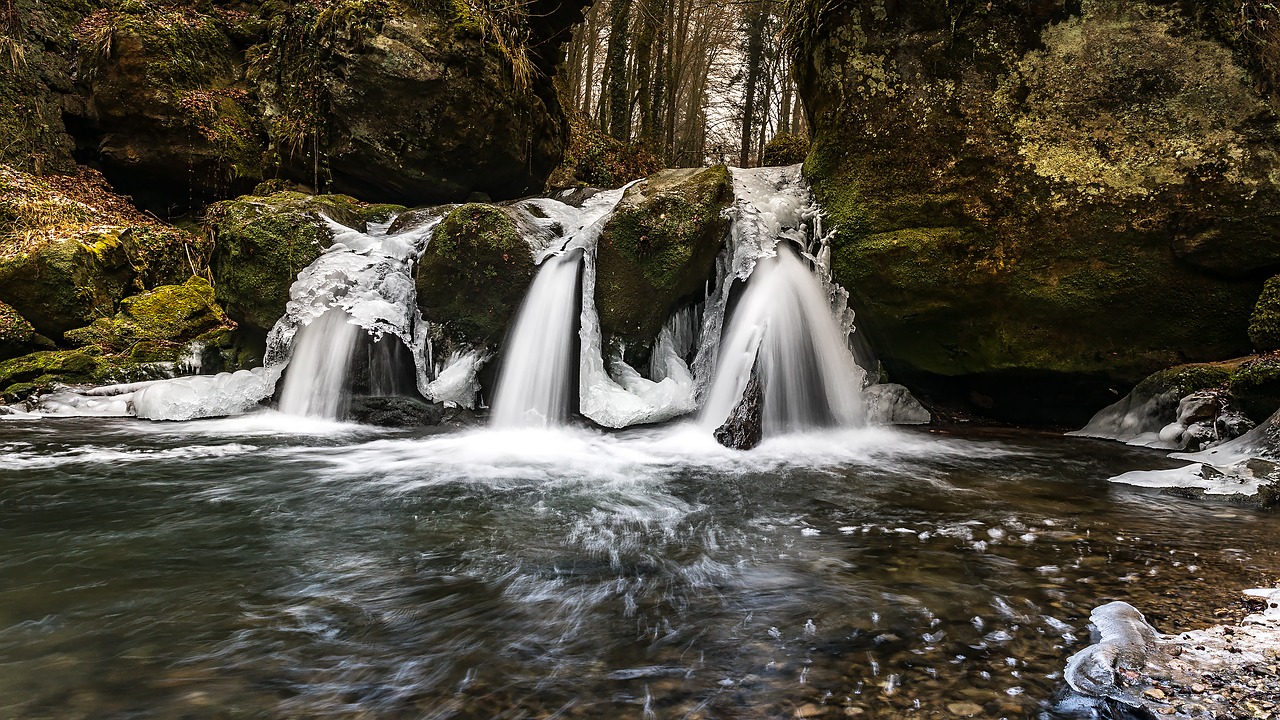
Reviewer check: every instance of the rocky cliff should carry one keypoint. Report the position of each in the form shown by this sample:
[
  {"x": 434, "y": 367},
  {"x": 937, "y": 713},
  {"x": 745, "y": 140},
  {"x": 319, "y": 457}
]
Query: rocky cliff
[{"x": 1041, "y": 202}]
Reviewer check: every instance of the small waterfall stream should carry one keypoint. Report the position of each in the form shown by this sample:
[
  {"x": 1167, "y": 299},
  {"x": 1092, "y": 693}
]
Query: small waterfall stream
[
  {"x": 316, "y": 383},
  {"x": 535, "y": 381}
]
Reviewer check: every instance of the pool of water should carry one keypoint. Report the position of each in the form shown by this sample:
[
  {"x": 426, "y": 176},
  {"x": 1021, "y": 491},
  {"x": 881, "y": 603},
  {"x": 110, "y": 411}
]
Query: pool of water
[{"x": 268, "y": 567}]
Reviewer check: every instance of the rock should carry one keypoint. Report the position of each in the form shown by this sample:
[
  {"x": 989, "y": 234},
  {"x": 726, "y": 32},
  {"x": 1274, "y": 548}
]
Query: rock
[
  {"x": 22, "y": 376},
  {"x": 785, "y": 149},
  {"x": 1200, "y": 405},
  {"x": 17, "y": 337},
  {"x": 1232, "y": 424},
  {"x": 414, "y": 218},
  {"x": 261, "y": 243},
  {"x": 1255, "y": 387},
  {"x": 659, "y": 249},
  {"x": 965, "y": 709},
  {"x": 165, "y": 107},
  {"x": 474, "y": 273},
  {"x": 155, "y": 326},
  {"x": 745, "y": 427},
  {"x": 401, "y": 412},
  {"x": 891, "y": 404},
  {"x": 37, "y": 88},
  {"x": 1264, "y": 323},
  {"x": 1006, "y": 237}
]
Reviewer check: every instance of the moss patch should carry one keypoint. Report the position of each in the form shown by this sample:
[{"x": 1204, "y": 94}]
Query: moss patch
[
  {"x": 786, "y": 149},
  {"x": 659, "y": 248},
  {"x": 1255, "y": 387},
  {"x": 474, "y": 273},
  {"x": 155, "y": 325}
]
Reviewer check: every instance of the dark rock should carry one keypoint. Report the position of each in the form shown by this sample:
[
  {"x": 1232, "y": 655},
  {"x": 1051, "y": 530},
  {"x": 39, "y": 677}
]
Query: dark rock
[
  {"x": 1006, "y": 182},
  {"x": 745, "y": 427},
  {"x": 1255, "y": 387},
  {"x": 403, "y": 412},
  {"x": 1264, "y": 323},
  {"x": 17, "y": 337},
  {"x": 415, "y": 218}
]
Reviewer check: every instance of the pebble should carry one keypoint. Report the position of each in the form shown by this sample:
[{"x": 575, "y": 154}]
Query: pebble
[
  {"x": 808, "y": 710},
  {"x": 964, "y": 709}
]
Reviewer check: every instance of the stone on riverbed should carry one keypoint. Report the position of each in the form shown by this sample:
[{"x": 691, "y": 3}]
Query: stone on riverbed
[
  {"x": 395, "y": 412},
  {"x": 744, "y": 428},
  {"x": 1218, "y": 672}
]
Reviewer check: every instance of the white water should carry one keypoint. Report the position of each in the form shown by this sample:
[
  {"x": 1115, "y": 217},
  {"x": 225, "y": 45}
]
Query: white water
[
  {"x": 807, "y": 372},
  {"x": 534, "y": 383},
  {"x": 316, "y": 383}
]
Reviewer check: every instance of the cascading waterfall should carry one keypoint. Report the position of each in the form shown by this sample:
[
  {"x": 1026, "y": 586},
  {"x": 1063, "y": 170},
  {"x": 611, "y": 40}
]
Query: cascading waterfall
[
  {"x": 316, "y": 382},
  {"x": 535, "y": 381},
  {"x": 783, "y": 329}
]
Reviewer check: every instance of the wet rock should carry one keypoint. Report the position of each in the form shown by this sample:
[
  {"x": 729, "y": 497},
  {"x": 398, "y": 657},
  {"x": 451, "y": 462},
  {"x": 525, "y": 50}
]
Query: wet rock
[
  {"x": 987, "y": 205},
  {"x": 17, "y": 337},
  {"x": 262, "y": 242},
  {"x": 744, "y": 428},
  {"x": 401, "y": 412},
  {"x": 155, "y": 326},
  {"x": 892, "y": 404},
  {"x": 965, "y": 709}
]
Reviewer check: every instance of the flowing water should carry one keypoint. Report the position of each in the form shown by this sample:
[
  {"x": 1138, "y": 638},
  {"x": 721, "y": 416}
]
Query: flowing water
[
  {"x": 271, "y": 566},
  {"x": 316, "y": 384}
]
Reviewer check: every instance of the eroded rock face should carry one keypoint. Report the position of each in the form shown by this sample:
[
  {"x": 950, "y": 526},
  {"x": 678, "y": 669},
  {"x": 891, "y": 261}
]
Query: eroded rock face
[
  {"x": 386, "y": 100},
  {"x": 744, "y": 429},
  {"x": 1041, "y": 201}
]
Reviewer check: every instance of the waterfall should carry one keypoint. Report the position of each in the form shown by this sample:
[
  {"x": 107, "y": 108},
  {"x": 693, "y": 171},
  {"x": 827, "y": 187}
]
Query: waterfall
[
  {"x": 316, "y": 382},
  {"x": 782, "y": 328},
  {"x": 538, "y": 369}
]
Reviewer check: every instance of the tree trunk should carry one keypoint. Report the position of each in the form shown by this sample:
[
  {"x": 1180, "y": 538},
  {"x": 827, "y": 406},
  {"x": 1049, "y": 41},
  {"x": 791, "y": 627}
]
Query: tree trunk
[
  {"x": 755, "y": 24},
  {"x": 616, "y": 71}
]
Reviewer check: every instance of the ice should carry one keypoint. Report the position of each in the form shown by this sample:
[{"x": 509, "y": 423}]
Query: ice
[
  {"x": 202, "y": 396},
  {"x": 1126, "y": 647},
  {"x": 458, "y": 383},
  {"x": 1137, "y": 419}
]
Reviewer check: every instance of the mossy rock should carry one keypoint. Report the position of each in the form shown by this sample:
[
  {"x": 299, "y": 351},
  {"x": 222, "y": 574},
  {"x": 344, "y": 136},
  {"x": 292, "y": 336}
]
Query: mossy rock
[
  {"x": 156, "y": 325},
  {"x": 39, "y": 371},
  {"x": 17, "y": 336},
  {"x": 1255, "y": 388},
  {"x": 786, "y": 149},
  {"x": 1037, "y": 207},
  {"x": 1186, "y": 379},
  {"x": 474, "y": 273},
  {"x": 61, "y": 283},
  {"x": 659, "y": 249},
  {"x": 261, "y": 243},
  {"x": 1264, "y": 324}
]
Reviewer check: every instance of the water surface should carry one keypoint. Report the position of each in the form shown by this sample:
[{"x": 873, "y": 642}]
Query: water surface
[{"x": 274, "y": 567}]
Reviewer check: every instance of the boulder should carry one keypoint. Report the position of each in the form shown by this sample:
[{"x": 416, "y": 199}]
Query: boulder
[
  {"x": 401, "y": 412},
  {"x": 156, "y": 326},
  {"x": 474, "y": 273},
  {"x": 1040, "y": 203},
  {"x": 744, "y": 429},
  {"x": 262, "y": 242},
  {"x": 1255, "y": 387},
  {"x": 17, "y": 337},
  {"x": 659, "y": 249}
]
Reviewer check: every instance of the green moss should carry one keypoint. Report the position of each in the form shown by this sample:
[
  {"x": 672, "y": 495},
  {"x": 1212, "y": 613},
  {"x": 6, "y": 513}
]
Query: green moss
[
  {"x": 40, "y": 370},
  {"x": 157, "y": 324},
  {"x": 1186, "y": 379},
  {"x": 380, "y": 213},
  {"x": 659, "y": 248},
  {"x": 261, "y": 243},
  {"x": 16, "y": 334},
  {"x": 474, "y": 273},
  {"x": 786, "y": 149},
  {"x": 1264, "y": 323},
  {"x": 61, "y": 283},
  {"x": 1255, "y": 388}
]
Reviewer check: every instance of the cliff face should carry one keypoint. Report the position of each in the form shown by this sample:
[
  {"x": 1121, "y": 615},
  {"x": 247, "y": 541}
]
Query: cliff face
[
  {"x": 180, "y": 104},
  {"x": 1042, "y": 202}
]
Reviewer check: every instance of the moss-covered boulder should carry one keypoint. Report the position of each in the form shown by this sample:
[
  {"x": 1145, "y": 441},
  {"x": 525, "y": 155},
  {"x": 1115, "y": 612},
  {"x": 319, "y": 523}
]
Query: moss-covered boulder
[
  {"x": 261, "y": 243},
  {"x": 785, "y": 149},
  {"x": 1255, "y": 387},
  {"x": 17, "y": 336},
  {"x": 659, "y": 249},
  {"x": 1039, "y": 204},
  {"x": 39, "y": 371},
  {"x": 474, "y": 273},
  {"x": 156, "y": 325},
  {"x": 70, "y": 250},
  {"x": 1264, "y": 324}
]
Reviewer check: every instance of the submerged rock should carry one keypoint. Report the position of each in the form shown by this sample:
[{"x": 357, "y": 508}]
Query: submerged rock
[
  {"x": 1217, "y": 672},
  {"x": 745, "y": 427},
  {"x": 1007, "y": 184},
  {"x": 403, "y": 412}
]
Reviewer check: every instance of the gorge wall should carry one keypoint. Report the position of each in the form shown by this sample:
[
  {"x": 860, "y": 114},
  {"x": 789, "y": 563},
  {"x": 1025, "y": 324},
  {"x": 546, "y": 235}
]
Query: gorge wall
[{"x": 1039, "y": 203}]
